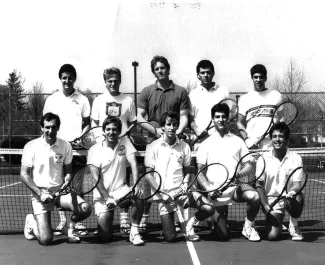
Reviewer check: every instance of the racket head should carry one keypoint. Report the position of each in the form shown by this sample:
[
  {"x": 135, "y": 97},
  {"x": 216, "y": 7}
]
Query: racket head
[
  {"x": 142, "y": 190},
  {"x": 140, "y": 136},
  {"x": 286, "y": 112},
  {"x": 297, "y": 180},
  {"x": 250, "y": 168},
  {"x": 210, "y": 178},
  {"x": 233, "y": 108},
  {"x": 85, "y": 180},
  {"x": 90, "y": 137}
]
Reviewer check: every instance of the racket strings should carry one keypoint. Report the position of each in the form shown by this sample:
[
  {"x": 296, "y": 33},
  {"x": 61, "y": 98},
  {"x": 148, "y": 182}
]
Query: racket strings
[
  {"x": 286, "y": 112},
  {"x": 250, "y": 168},
  {"x": 212, "y": 177},
  {"x": 85, "y": 180},
  {"x": 142, "y": 136},
  {"x": 233, "y": 108},
  {"x": 297, "y": 181}
]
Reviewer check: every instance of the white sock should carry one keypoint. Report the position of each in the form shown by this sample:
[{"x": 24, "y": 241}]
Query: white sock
[
  {"x": 190, "y": 223},
  {"x": 62, "y": 216},
  {"x": 293, "y": 221},
  {"x": 144, "y": 218},
  {"x": 71, "y": 225},
  {"x": 123, "y": 216},
  {"x": 134, "y": 229},
  {"x": 248, "y": 223}
]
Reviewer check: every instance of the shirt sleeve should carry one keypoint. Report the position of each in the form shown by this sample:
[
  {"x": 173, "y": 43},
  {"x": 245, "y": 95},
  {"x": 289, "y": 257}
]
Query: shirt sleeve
[
  {"x": 92, "y": 157},
  {"x": 94, "y": 110},
  {"x": 132, "y": 116},
  {"x": 28, "y": 156},
  {"x": 86, "y": 108},
  {"x": 150, "y": 157},
  {"x": 185, "y": 103},
  {"x": 143, "y": 99},
  {"x": 129, "y": 146},
  {"x": 69, "y": 155},
  {"x": 242, "y": 109},
  {"x": 201, "y": 154}
]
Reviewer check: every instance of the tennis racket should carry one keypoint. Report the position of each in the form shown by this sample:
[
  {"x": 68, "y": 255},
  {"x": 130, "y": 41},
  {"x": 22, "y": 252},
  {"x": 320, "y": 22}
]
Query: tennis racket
[
  {"x": 88, "y": 139},
  {"x": 296, "y": 181},
  {"x": 83, "y": 182},
  {"x": 286, "y": 112},
  {"x": 141, "y": 134},
  {"x": 249, "y": 169},
  {"x": 233, "y": 110},
  {"x": 210, "y": 178},
  {"x": 140, "y": 190}
]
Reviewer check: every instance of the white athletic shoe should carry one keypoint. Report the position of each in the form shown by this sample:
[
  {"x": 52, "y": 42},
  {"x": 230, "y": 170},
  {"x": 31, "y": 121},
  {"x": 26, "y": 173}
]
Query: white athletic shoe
[
  {"x": 59, "y": 229},
  {"x": 28, "y": 229},
  {"x": 251, "y": 234},
  {"x": 295, "y": 233},
  {"x": 81, "y": 229},
  {"x": 136, "y": 239},
  {"x": 71, "y": 234}
]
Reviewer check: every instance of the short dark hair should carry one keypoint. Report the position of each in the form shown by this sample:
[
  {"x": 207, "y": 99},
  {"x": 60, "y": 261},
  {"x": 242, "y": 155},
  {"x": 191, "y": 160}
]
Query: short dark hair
[
  {"x": 169, "y": 114},
  {"x": 50, "y": 116},
  {"x": 204, "y": 64},
  {"x": 112, "y": 71},
  {"x": 259, "y": 68},
  {"x": 112, "y": 119},
  {"x": 68, "y": 68},
  {"x": 220, "y": 107},
  {"x": 282, "y": 127},
  {"x": 160, "y": 59}
]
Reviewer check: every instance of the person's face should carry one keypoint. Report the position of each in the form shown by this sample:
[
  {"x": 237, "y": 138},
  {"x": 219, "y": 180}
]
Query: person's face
[
  {"x": 220, "y": 120},
  {"x": 50, "y": 130},
  {"x": 161, "y": 72},
  {"x": 170, "y": 128},
  {"x": 67, "y": 80},
  {"x": 205, "y": 75},
  {"x": 113, "y": 83},
  {"x": 112, "y": 133},
  {"x": 259, "y": 82},
  {"x": 279, "y": 140}
]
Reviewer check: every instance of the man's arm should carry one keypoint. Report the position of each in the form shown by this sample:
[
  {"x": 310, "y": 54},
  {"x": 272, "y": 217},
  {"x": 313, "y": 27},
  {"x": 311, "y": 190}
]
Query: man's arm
[
  {"x": 183, "y": 121},
  {"x": 241, "y": 124},
  {"x": 134, "y": 166},
  {"x": 67, "y": 169},
  {"x": 25, "y": 176},
  {"x": 85, "y": 124},
  {"x": 140, "y": 119}
]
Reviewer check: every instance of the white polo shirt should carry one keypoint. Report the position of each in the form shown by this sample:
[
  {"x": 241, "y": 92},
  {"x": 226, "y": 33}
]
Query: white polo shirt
[
  {"x": 47, "y": 162},
  {"x": 121, "y": 106},
  {"x": 168, "y": 161},
  {"x": 227, "y": 150},
  {"x": 111, "y": 162},
  {"x": 277, "y": 172},
  {"x": 202, "y": 100},
  {"x": 71, "y": 110},
  {"x": 258, "y": 107}
]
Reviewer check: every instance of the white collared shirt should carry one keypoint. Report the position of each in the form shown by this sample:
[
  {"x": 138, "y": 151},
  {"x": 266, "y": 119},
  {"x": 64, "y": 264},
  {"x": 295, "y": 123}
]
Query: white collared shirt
[
  {"x": 121, "y": 106},
  {"x": 47, "y": 162},
  {"x": 168, "y": 161},
  {"x": 277, "y": 172},
  {"x": 202, "y": 100},
  {"x": 71, "y": 110},
  {"x": 112, "y": 163}
]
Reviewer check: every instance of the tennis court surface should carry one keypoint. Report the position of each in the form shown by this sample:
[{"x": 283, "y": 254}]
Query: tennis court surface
[{"x": 15, "y": 249}]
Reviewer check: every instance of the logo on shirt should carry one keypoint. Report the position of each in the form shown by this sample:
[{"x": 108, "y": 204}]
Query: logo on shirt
[
  {"x": 58, "y": 158},
  {"x": 121, "y": 150},
  {"x": 113, "y": 109}
]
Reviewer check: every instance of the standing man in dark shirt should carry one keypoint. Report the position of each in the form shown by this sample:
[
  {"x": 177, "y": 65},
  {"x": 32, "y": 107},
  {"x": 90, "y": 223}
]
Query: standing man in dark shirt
[{"x": 162, "y": 96}]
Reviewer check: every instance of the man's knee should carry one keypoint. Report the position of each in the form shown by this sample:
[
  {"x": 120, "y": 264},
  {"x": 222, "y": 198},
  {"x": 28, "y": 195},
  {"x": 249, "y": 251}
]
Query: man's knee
[
  {"x": 252, "y": 196},
  {"x": 46, "y": 240},
  {"x": 84, "y": 211}
]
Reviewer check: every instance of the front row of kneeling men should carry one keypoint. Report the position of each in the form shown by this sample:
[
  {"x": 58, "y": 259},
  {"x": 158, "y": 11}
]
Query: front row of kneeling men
[{"x": 46, "y": 166}]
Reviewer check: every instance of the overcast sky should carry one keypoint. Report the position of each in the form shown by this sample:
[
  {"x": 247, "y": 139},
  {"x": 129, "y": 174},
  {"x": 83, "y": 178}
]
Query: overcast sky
[{"x": 37, "y": 37}]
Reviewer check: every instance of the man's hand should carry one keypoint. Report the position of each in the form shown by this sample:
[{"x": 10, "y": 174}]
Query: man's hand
[
  {"x": 46, "y": 197},
  {"x": 267, "y": 208},
  {"x": 110, "y": 203},
  {"x": 160, "y": 132},
  {"x": 251, "y": 144},
  {"x": 184, "y": 187},
  {"x": 290, "y": 194},
  {"x": 215, "y": 194}
]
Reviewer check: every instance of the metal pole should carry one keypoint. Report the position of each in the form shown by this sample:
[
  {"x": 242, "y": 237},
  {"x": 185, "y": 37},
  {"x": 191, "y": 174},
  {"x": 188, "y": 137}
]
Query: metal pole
[
  {"x": 135, "y": 65},
  {"x": 9, "y": 132}
]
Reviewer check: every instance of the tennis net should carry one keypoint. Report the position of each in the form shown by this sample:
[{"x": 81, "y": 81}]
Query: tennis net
[{"x": 15, "y": 201}]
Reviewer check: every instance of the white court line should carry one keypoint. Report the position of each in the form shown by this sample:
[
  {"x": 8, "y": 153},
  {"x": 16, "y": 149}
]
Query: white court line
[
  {"x": 316, "y": 180},
  {"x": 10, "y": 185},
  {"x": 193, "y": 253}
]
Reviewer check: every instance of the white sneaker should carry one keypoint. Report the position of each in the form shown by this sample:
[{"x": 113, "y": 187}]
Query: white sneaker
[
  {"x": 71, "y": 234},
  {"x": 125, "y": 227},
  {"x": 28, "y": 229},
  {"x": 136, "y": 239},
  {"x": 81, "y": 229},
  {"x": 59, "y": 228},
  {"x": 251, "y": 234},
  {"x": 295, "y": 233}
]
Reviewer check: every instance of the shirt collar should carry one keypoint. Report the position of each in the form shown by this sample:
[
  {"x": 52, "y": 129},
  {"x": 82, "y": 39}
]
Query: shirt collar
[
  {"x": 46, "y": 144},
  {"x": 163, "y": 142},
  {"x": 215, "y": 87},
  {"x": 171, "y": 87}
]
